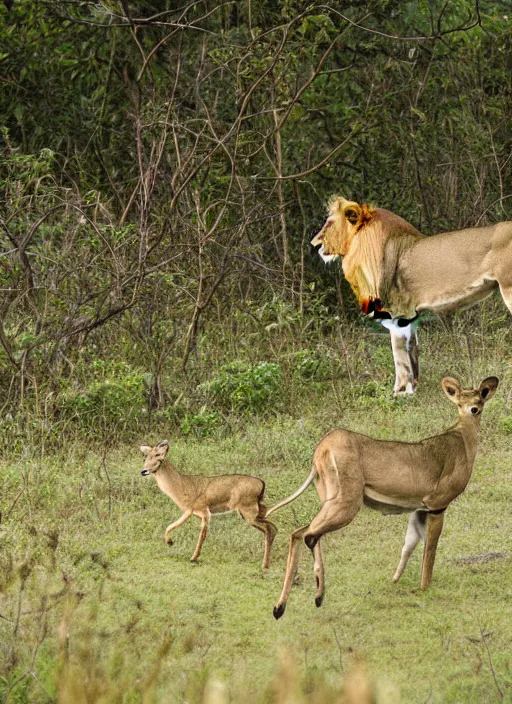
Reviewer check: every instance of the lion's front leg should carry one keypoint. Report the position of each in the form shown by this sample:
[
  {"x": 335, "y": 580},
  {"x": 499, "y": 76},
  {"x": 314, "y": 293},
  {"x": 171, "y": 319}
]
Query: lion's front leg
[{"x": 404, "y": 343}]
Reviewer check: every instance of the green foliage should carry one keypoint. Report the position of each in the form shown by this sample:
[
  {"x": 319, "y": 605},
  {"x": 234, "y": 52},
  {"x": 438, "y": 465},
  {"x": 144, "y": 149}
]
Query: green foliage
[
  {"x": 245, "y": 388},
  {"x": 507, "y": 425},
  {"x": 202, "y": 424},
  {"x": 114, "y": 397},
  {"x": 315, "y": 365}
]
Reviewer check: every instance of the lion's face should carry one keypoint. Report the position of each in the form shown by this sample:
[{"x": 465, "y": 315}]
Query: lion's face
[{"x": 345, "y": 218}]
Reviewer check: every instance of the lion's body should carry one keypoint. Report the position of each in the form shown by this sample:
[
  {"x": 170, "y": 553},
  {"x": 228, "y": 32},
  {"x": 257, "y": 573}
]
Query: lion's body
[
  {"x": 456, "y": 269},
  {"x": 396, "y": 272}
]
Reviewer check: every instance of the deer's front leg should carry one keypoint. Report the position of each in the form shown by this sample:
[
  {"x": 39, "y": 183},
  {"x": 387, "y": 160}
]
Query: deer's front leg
[
  {"x": 184, "y": 517},
  {"x": 434, "y": 528}
]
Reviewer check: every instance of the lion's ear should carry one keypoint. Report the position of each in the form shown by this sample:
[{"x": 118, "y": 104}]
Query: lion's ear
[{"x": 353, "y": 213}]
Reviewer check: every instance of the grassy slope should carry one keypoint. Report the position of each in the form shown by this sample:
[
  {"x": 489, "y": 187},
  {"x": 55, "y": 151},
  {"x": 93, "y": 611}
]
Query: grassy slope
[{"x": 119, "y": 593}]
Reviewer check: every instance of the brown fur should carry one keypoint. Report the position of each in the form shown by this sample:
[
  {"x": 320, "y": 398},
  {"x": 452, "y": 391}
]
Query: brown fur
[
  {"x": 393, "y": 477},
  {"x": 203, "y": 496}
]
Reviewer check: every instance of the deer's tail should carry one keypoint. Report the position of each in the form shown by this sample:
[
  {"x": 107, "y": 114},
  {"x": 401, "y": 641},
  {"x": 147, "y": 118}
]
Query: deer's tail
[{"x": 296, "y": 494}]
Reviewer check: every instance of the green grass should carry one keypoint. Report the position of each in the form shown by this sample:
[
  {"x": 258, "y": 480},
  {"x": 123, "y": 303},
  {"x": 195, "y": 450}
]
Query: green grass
[{"x": 94, "y": 605}]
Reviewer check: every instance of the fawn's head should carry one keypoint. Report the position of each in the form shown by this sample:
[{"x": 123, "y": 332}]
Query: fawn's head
[
  {"x": 154, "y": 457},
  {"x": 470, "y": 402}
]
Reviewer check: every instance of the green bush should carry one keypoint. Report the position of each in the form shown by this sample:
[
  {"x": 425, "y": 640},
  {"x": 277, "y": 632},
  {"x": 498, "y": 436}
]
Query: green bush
[
  {"x": 203, "y": 424},
  {"x": 315, "y": 365},
  {"x": 117, "y": 398},
  {"x": 245, "y": 388},
  {"x": 507, "y": 425}
]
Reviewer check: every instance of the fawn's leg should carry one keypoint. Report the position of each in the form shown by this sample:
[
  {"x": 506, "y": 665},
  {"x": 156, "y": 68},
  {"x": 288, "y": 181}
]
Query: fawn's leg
[
  {"x": 506, "y": 292},
  {"x": 255, "y": 516},
  {"x": 205, "y": 522},
  {"x": 184, "y": 517}
]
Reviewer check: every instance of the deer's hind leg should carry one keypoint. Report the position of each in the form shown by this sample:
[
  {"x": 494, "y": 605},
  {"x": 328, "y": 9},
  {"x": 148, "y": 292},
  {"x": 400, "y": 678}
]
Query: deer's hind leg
[
  {"x": 291, "y": 570},
  {"x": 415, "y": 533},
  {"x": 335, "y": 513},
  {"x": 319, "y": 574},
  {"x": 255, "y": 516},
  {"x": 205, "y": 517}
]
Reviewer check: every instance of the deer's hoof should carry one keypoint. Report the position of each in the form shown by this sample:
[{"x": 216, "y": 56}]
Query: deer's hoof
[
  {"x": 279, "y": 611},
  {"x": 319, "y": 600}
]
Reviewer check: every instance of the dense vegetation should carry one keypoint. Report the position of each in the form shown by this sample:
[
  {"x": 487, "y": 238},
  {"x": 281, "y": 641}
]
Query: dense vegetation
[{"x": 163, "y": 169}]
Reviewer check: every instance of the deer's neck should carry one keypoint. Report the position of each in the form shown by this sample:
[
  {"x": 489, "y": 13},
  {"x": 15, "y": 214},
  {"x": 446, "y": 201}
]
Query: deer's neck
[
  {"x": 469, "y": 428},
  {"x": 170, "y": 481}
]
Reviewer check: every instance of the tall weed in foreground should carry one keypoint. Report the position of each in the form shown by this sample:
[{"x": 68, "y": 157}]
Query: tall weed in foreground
[{"x": 56, "y": 648}]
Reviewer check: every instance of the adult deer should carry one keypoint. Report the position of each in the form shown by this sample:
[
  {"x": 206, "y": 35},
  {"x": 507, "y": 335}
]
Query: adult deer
[
  {"x": 396, "y": 272},
  {"x": 423, "y": 477},
  {"x": 201, "y": 496}
]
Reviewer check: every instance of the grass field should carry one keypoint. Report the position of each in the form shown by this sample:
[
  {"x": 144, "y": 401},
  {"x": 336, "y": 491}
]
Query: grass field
[{"x": 95, "y": 608}]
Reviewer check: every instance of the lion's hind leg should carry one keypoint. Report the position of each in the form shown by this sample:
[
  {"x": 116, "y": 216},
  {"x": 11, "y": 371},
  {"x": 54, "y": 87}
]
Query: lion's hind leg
[{"x": 506, "y": 292}]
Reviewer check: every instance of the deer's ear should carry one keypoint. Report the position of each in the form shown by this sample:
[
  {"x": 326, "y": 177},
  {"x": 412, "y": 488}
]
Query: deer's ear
[
  {"x": 451, "y": 387},
  {"x": 145, "y": 449},
  {"x": 488, "y": 387}
]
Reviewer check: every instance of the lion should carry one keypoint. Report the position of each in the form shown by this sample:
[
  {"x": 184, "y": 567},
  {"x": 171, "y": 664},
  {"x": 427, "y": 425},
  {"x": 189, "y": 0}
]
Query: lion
[{"x": 397, "y": 273}]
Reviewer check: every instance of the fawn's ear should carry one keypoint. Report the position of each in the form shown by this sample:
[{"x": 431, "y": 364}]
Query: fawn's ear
[
  {"x": 162, "y": 448},
  {"x": 488, "y": 387},
  {"x": 145, "y": 449},
  {"x": 451, "y": 387}
]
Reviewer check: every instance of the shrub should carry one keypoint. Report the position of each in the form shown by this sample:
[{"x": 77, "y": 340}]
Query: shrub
[
  {"x": 203, "y": 424},
  {"x": 115, "y": 399},
  {"x": 245, "y": 388},
  {"x": 318, "y": 365}
]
